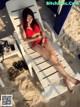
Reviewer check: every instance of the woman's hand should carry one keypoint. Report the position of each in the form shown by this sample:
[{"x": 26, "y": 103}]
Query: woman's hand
[
  {"x": 43, "y": 38},
  {"x": 43, "y": 34},
  {"x": 43, "y": 41}
]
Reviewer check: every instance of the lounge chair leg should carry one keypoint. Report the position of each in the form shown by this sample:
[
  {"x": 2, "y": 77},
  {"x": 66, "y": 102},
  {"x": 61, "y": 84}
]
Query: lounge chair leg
[
  {"x": 19, "y": 54},
  {"x": 1, "y": 66},
  {"x": 31, "y": 71},
  {"x": 1, "y": 83}
]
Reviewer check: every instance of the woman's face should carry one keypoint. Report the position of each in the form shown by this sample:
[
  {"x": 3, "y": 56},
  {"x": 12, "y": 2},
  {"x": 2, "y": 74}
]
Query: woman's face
[{"x": 29, "y": 19}]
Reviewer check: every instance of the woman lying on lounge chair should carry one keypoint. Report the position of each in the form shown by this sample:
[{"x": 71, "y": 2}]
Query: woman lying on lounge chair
[{"x": 32, "y": 32}]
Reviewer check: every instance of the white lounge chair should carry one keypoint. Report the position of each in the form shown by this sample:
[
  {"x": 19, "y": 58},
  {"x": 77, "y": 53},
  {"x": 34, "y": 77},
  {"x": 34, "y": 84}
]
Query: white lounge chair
[
  {"x": 8, "y": 55},
  {"x": 48, "y": 76},
  {"x": 11, "y": 53}
]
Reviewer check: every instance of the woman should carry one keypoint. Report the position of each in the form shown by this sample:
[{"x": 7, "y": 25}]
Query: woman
[{"x": 32, "y": 32}]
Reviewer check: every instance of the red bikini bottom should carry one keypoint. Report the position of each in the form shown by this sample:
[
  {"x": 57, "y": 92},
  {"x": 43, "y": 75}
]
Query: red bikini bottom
[{"x": 38, "y": 42}]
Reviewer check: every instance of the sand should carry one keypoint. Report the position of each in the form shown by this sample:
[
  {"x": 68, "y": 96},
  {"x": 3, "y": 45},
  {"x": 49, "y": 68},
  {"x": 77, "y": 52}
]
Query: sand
[{"x": 22, "y": 88}]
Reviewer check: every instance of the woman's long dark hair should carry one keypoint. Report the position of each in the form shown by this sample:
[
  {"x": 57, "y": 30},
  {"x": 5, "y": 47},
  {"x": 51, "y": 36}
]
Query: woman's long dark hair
[{"x": 25, "y": 13}]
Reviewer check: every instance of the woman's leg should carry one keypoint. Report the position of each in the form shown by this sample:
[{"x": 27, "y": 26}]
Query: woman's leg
[
  {"x": 48, "y": 52},
  {"x": 42, "y": 50},
  {"x": 54, "y": 59}
]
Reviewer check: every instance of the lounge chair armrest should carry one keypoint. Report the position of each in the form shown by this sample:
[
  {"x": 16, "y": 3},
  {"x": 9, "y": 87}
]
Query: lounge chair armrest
[
  {"x": 19, "y": 41},
  {"x": 16, "y": 37},
  {"x": 46, "y": 25}
]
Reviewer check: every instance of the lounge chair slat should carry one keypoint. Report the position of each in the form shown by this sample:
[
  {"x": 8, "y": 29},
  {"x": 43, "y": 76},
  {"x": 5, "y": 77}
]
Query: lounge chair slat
[
  {"x": 43, "y": 65},
  {"x": 47, "y": 72},
  {"x": 54, "y": 90},
  {"x": 52, "y": 79},
  {"x": 34, "y": 55},
  {"x": 30, "y": 51},
  {"x": 57, "y": 89},
  {"x": 39, "y": 60},
  {"x": 51, "y": 70},
  {"x": 21, "y": 8}
]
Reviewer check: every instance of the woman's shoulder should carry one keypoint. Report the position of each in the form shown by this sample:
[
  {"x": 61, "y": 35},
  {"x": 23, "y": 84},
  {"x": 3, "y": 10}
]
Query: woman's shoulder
[{"x": 21, "y": 26}]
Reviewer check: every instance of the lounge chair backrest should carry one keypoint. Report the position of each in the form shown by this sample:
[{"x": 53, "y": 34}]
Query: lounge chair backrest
[{"x": 16, "y": 8}]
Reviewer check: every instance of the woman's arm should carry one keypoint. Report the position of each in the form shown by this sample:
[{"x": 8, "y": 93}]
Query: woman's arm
[
  {"x": 27, "y": 39},
  {"x": 42, "y": 33},
  {"x": 35, "y": 35},
  {"x": 33, "y": 39}
]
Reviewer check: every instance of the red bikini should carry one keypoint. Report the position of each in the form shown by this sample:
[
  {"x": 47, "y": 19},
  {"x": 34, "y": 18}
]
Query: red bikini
[{"x": 30, "y": 32}]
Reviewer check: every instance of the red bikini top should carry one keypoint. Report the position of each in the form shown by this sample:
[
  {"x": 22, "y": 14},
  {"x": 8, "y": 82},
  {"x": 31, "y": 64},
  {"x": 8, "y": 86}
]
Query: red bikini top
[{"x": 30, "y": 32}]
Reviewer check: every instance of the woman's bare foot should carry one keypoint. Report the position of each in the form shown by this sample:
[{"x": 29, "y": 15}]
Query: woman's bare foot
[
  {"x": 77, "y": 82},
  {"x": 70, "y": 89}
]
